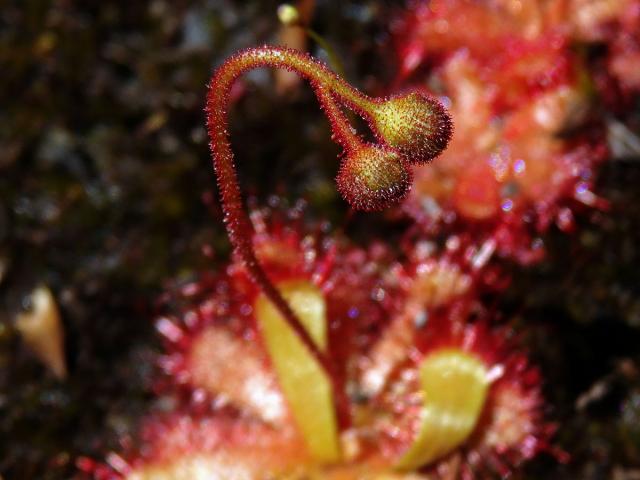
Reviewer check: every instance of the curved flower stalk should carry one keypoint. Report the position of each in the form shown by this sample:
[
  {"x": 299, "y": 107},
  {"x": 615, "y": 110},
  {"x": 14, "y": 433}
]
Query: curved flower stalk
[{"x": 372, "y": 176}]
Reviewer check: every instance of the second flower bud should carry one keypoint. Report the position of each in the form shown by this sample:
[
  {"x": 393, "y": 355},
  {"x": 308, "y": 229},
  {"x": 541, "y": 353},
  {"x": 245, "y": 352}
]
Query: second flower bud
[{"x": 373, "y": 177}]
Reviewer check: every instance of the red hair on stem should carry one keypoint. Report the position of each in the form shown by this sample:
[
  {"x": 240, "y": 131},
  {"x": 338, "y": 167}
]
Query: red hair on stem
[{"x": 371, "y": 177}]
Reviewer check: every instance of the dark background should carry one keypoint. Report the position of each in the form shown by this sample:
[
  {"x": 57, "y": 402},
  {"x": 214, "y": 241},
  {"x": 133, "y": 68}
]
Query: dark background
[{"x": 107, "y": 194}]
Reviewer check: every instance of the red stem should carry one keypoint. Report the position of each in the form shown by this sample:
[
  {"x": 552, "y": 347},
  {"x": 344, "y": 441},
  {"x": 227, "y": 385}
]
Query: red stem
[{"x": 237, "y": 222}]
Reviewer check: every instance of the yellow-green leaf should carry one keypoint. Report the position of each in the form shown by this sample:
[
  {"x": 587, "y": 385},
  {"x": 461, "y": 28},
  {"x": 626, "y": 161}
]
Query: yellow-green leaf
[
  {"x": 454, "y": 385},
  {"x": 305, "y": 384}
]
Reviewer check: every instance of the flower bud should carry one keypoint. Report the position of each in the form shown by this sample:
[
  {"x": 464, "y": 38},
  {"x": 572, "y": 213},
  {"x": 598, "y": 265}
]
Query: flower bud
[
  {"x": 414, "y": 124},
  {"x": 372, "y": 177}
]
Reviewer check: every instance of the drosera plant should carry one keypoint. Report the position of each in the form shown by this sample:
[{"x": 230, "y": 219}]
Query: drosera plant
[
  {"x": 410, "y": 129},
  {"x": 463, "y": 401},
  {"x": 447, "y": 404},
  {"x": 445, "y": 407},
  {"x": 466, "y": 403}
]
